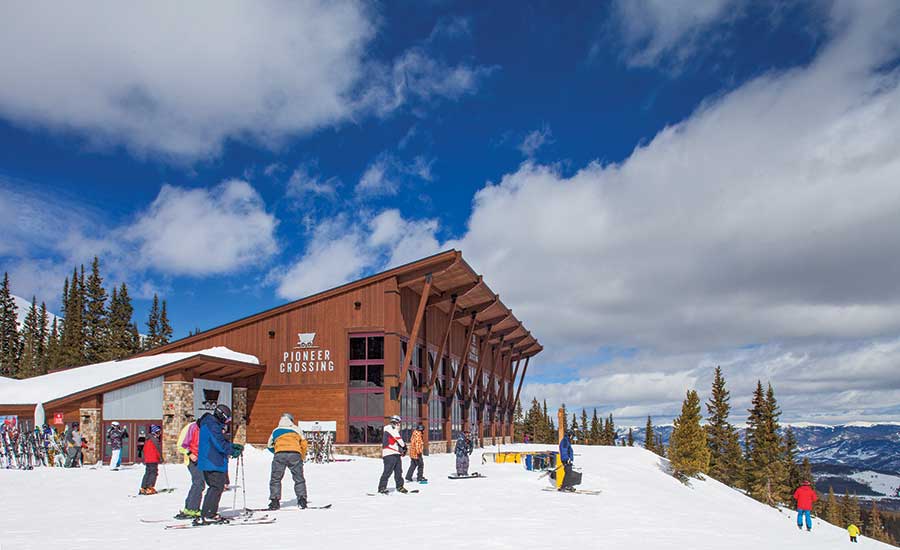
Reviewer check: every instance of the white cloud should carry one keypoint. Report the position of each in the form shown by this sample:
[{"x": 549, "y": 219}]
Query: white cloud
[
  {"x": 535, "y": 140},
  {"x": 670, "y": 30},
  {"x": 303, "y": 183},
  {"x": 204, "y": 231},
  {"x": 386, "y": 173},
  {"x": 180, "y": 80}
]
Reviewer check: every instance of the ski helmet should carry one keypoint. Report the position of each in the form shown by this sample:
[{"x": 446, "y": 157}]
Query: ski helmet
[
  {"x": 289, "y": 416},
  {"x": 222, "y": 413},
  {"x": 420, "y": 427},
  {"x": 395, "y": 419},
  {"x": 115, "y": 422},
  {"x": 155, "y": 429}
]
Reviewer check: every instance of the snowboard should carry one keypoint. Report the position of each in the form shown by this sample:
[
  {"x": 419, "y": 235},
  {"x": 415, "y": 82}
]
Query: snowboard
[
  {"x": 391, "y": 492},
  {"x": 470, "y": 476},
  {"x": 576, "y": 491}
]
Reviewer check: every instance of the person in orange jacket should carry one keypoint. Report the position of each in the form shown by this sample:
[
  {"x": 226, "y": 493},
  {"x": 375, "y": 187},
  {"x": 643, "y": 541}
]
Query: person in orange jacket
[
  {"x": 417, "y": 460},
  {"x": 805, "y": 496}
]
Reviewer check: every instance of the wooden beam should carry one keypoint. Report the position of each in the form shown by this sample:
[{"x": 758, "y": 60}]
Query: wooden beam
[
  {"x": 512, "y": 383},
  {"x": 521, "y": 379},
  {"x": 440, "y": 356},
  {"x": 412, "y": 278},
  {"x": 503, "y": 333},
  {"x": 481, "y": 363},
  {"x": 477, "y": 308},
  {"x": 496, "y": 364},
  {"x": 470, "y": 333},
  {"x": 450, "y": 293},
  {"x": 493, "y": 321},
  {"x": 414, "y": 335}
]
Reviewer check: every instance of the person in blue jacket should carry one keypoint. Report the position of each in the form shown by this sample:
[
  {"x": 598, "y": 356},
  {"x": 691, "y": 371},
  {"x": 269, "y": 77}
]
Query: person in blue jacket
[
  {"x": 213, "y": 450},
  {"x": 567, "y": 456}
]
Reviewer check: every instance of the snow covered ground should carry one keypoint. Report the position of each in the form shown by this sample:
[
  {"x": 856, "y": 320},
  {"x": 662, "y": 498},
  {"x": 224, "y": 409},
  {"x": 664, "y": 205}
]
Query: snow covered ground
[
  {"x": 886, "y": 484},
  {"x": 640, "y": 508}
]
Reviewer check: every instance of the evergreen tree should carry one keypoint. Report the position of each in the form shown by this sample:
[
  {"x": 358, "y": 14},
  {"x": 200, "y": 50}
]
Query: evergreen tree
[
  {"x": 767, "y": 478},
  {"x": 790, "y": 459},
  {"x": 876, "y": 528},
  {"x": 610, "y": 430},
  {"x": 851, "y": 512},
  {"x": 806, "y": 470},
  {"x": 533, "y": 421},
  {"x": 649, "y": 437},
  {"x": 72, "y": 352},
  {"x": 136, "y": 340},
  {"x": 53, "y": 350},
  {"x": 165, "y": 329},
  {"x": 9, "y": 331},
  {"x": 688, "y": 450},
  {"x": 28, "y": 360},
  {"x": 660, "y": 447},
  {"x": 724, "y": 463},
  {"x": 152, "y": 339},
  {"x": 585, "y": 434},
  {"x": 121, "y": 340},
  {"x": 596, "y": 431},
  {"x": 574, "y": 427},
  {"x": 96, "y": 321},
  {"x": 630, "y": 440},
  {"x": 43, "y": 339},
  {"x": 833, "y": 513}
]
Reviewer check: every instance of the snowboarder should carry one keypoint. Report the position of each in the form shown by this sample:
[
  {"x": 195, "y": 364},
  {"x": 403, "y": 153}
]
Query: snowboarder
[
  {"x": 214, "y": 449},
  {"x": 853, "y": 531},
  {"x": 114, "y": 435},
  {"x": 392, "y": 448},
  {"x": 73, "y": 447},
  {"x": 289, "y": 449},
  {"x": 462, "y": 451},
  {"x": 416, "y": 449},
  {"x": 567, "y": 457},
  {"x": 188, "y": 442},
  {"x": 805, "y": 496},
  {"x": 152, "y": 447}
]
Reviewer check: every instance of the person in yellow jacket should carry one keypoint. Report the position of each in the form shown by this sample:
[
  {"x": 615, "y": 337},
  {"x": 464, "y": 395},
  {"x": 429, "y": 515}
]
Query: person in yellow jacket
[
  {"x": 416, "y": 449},
  {"x": 289, "y": 446},
  {"x": 853, "y": 531}
]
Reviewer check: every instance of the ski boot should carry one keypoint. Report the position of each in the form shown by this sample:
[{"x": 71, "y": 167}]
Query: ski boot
[
  {"x": 187, "y": 514},
  {"x": 383, "y": 491},
  {"x": 301, "y": 503},
  {"x": 402, "y": 490},
  {"x": 216, "y": 519},
  {"x": 150, "y": 491},
  {"x": 274, "y": 504}
]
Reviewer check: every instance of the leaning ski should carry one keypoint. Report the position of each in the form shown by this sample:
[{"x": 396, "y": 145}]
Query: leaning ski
[{"x": 249, "y": 521}]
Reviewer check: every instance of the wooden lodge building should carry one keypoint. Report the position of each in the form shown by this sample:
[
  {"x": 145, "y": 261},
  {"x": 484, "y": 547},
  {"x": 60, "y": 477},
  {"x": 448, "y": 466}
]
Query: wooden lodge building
[{"x": 341, "y": 355}]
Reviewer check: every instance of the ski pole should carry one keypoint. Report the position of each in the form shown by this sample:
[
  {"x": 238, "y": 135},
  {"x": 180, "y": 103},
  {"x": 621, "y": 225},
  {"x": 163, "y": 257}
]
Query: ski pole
[{"x": 166, "y": 475}]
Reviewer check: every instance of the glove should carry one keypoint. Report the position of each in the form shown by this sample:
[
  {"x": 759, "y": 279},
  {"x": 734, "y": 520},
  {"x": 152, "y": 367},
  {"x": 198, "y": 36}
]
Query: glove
[{"x": 236, "y": 450}]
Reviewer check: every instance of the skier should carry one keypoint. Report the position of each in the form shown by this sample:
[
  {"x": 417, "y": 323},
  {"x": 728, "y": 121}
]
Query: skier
[
  {"x": 567, "y": 456},
  {"x": 152, "y": 447},
  {"x": 188, "y": 442},
  {"x": 392, "y": 448},
  {"x": 462, "y": 451},
  {"x": 73, "y": 447},
  {"x": 289, "y": 449},
  {"x": 805, "y": 496},
  {"x": 853, "y": 531},
  {"x": 214, "y": 449},
  {"x": 416, "y": 448},
  {"x": 114, "y": 435}
]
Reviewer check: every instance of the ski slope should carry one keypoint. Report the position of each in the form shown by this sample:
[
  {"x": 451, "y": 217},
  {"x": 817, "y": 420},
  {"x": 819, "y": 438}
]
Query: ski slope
[{"x": 640, "y": 508}]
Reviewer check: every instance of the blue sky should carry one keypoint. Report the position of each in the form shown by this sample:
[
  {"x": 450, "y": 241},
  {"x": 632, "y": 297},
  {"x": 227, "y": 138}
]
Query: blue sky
[{"x": 654, "y": 187}]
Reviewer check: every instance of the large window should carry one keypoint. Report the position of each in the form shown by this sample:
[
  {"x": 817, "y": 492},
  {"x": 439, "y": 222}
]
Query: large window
[
  {"x": 411, "y": 397},
  {"x": 366, "y": 399}
]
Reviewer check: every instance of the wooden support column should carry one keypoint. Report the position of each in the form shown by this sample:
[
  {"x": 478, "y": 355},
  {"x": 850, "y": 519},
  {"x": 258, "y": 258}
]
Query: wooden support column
[
  {"x": 436, "y": 369},
  {"x": 470, "y": 333},
  {"x": 522, "y": 379},
  {"x": 414, "y": 334},
  {"x": 393, "y": 327}
]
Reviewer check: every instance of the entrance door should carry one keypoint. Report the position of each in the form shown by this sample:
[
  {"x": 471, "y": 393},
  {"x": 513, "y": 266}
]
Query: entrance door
[
  {"x": 126, "y": 442},
  {"x": 133, "y": 446}
]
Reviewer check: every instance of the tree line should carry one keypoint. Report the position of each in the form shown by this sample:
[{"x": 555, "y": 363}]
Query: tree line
[
  {"x": 766, "y": 467},
  {"x": 539, "y": 426},
  {"x": 96, "y": 326}
]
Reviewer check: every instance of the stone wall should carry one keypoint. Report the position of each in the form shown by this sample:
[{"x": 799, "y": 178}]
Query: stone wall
[
  {"x": 438, "y": 447},
  {"x": 371, "y": 451},
  {"x": 178, "y": 410},
  {"x": 239, "y": 415},
  {"x": 91, "y": 425}
]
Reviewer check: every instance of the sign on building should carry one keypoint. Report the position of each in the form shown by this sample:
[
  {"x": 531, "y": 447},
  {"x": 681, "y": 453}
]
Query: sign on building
[{"x": 208, "y": 394}]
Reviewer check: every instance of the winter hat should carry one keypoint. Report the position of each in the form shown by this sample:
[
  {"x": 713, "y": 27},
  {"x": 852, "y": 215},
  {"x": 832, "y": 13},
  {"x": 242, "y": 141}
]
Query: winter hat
[
  {"x": 115, "y": 422},
  {"x": 395, "y": 418},
  {"x": 289, "y": 416},
  {"x": 420, "y": 427},
  {"x": 75, "y": 425},
  {"x": 155, "y": 429}
]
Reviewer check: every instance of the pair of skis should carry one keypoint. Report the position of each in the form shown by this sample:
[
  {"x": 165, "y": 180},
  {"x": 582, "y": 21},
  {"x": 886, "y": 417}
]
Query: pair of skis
[
  {"x": 392, "y": 491},
  {"x": 473, "y": 475},
  {"x": 576, "y": 491}
]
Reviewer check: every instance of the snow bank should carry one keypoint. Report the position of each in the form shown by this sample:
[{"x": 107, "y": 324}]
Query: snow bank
[
  {"x": 640, "y": 508},
  {"x": 55, "y": 385}
]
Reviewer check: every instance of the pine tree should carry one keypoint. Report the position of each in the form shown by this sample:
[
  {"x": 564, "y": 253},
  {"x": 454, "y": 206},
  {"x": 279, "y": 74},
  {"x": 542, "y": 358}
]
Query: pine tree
[
  {"x": 852, "y": 513},
  {"x": 574, "y": 427},
  {"x": 152, "y": 339},
  {"x": 630, "y": 439},
  {"x": 28, "y": 360},
  {"x": 121, "y": 340},
  {"x": 833, "y": 514},
  {"x": 165, "y": 329},
  {"x": 43, "y": 342},
  {"x": 688, "y": 450},
  {"x": 53, "y": 350},
  {"x": 596, "y": 431},
  {"x": 876, "y": 528},
  {"x": 72, "y": 352},
  {"x": 610, "y": 430},
  {"x": 585, "y": 434},
  {"x": 724, "y": 465},
  {"x": 649, "y": 437},
  {"x": 9, "y": 331},
  {"x": 96, "y": 321},
  {"x": 790, "y": 459},
  {"x": 806, "y": 470},
  {"x": 767, "y": 481}
]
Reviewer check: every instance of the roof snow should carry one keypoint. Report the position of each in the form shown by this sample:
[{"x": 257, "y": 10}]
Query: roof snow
[{"x": 55, "y": 385}]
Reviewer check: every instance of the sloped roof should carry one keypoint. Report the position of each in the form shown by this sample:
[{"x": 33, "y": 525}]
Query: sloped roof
[{"x": 60, "y": 384}]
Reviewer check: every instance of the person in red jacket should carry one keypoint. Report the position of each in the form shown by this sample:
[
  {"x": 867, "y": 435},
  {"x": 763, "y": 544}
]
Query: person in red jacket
[
  {"x": 152, "y": 453},
  {"x": 805, "y": 496}
]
